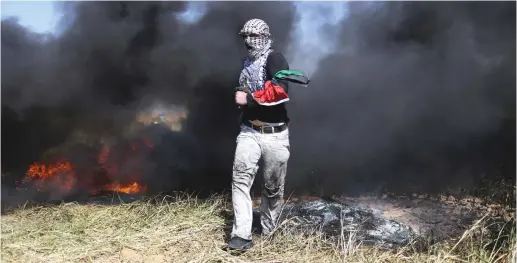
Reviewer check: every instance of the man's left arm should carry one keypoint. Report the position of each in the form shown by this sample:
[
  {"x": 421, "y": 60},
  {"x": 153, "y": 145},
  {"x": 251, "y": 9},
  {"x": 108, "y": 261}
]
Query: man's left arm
[{"x": 275, "y": 91}]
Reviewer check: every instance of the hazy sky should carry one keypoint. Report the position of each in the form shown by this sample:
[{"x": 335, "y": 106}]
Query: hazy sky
[
  {"x": 41, "y": 16},
  {"x": 309, "y": 46},
  {"x": 38, "y": 15}
]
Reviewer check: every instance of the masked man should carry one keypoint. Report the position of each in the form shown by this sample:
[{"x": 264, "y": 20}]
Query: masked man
[{"x": 264, "y": 134}]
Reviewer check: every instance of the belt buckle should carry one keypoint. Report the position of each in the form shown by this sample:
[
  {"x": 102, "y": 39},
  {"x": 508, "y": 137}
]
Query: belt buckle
[
  {"x": 262, "y": 128},
  {"x": 272, "y": 129}
]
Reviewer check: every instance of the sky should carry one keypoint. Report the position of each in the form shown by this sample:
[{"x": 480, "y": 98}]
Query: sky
[
  {"x": 37, "y": 15},
  {"x": 43, "y": 17}
]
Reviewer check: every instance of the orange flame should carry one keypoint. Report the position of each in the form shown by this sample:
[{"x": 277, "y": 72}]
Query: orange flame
[
  {"x": 129, "y": 189},
  {"x": 64, "y": 175},
  {"x": 60, "y": 173},
  {"x": 41, "y": 171}
]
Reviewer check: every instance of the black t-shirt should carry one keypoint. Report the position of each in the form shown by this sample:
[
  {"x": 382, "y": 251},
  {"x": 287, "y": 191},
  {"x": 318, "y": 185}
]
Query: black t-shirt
[{"x": 276, "y": 113}]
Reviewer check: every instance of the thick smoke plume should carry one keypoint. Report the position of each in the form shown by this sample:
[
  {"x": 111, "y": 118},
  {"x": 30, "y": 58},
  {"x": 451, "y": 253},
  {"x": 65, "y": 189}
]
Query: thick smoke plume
[
  {"x": 417, "y": 97},
  {"x": 115, "y": 59}
]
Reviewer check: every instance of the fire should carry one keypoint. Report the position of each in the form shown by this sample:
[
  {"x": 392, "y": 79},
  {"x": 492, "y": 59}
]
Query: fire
[
  {"x": 133, "y": 188},
  {"x": 42, "y": 171},
  {"x": 66, "y": 177},
  {"x": 60, "y": 173}
]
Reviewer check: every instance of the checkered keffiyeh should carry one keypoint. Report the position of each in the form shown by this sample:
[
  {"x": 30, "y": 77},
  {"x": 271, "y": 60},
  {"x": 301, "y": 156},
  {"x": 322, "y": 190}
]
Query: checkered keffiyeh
[{"x": 257, "y": 37}]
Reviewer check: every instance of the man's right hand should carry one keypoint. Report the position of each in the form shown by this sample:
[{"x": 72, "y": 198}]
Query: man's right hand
[{"x": 240, "y": 98}]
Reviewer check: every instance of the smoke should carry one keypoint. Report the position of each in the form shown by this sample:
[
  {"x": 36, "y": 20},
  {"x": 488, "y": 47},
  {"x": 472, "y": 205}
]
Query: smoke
[
  {"x": 315, "y": 34},
  {"x": 418, "y": 97},
  {"x": 114, "y": 59},
  {"x": 412, "y": 95}
]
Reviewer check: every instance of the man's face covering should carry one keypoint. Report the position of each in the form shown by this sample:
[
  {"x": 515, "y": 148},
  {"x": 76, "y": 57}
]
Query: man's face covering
[{"x": 256, "y": 37}]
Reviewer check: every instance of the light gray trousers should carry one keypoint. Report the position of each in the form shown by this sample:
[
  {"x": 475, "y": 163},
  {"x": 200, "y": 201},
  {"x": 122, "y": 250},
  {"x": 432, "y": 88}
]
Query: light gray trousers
[{"x": 273, "y": 148}]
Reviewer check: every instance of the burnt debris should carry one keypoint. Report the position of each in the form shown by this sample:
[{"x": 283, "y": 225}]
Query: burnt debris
[{"x": 358, "y": 224}]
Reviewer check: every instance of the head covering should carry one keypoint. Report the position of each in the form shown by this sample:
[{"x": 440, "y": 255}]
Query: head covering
[{"x": 256, "y": 37}]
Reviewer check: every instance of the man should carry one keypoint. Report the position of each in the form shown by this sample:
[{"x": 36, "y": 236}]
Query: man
[{"x": 264, "y": 134}]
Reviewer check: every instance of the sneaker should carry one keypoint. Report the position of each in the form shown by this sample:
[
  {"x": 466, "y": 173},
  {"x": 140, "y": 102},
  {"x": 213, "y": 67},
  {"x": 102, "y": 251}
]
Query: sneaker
[{"x": 239, "y": 243}]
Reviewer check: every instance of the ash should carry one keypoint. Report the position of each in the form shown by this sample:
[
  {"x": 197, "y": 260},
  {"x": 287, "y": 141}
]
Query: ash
[
  {"x": 339, "y": 220},
  {"x": 393, "y": 221}
]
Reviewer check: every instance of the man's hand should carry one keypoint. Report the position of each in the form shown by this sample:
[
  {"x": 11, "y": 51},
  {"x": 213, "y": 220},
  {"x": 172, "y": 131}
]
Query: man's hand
[{"x": 240, "y": 98}]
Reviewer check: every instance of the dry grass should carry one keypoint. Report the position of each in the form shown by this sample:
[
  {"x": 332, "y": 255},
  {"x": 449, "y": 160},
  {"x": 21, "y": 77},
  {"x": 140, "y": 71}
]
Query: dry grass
[{"x": 185, "y": 229}]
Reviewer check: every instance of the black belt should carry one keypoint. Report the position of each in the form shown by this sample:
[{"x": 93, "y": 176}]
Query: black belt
[{"x": 267, "y": 129}]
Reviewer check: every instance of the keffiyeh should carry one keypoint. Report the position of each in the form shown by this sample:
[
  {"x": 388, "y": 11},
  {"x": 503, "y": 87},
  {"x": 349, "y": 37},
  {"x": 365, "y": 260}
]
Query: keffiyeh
[{"x": 256, "y": 36}]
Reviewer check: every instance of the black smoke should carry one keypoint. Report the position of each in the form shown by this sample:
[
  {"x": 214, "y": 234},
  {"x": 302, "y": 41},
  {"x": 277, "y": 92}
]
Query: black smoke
[
  {"x": 115, "y": 58},
  {"x": 417, "y": 97}
]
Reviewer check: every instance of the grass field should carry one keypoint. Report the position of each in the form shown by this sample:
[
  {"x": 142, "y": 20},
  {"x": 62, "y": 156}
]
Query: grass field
[{"x": 186, "y": 229}]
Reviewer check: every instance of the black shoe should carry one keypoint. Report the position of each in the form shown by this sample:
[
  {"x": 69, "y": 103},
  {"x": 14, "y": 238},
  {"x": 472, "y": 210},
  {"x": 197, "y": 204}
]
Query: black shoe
[
  {"x": 256, "y": 226},
  {"x": 240, "y": 243}
]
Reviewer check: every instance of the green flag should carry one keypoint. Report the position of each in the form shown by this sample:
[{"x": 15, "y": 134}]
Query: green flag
[{"x": 292, "y": 76}]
